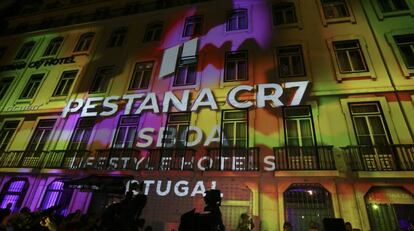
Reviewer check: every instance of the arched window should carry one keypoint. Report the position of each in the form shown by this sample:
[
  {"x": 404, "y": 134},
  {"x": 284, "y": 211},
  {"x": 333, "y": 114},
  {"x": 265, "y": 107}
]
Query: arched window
[
  {"x": 306, "y": 203},
  {"x": 389, "y": 208},
  {"x": 56, "y": 195},
  {"x": 14, "y": 192},
  {"x": 84, "y": 42}
]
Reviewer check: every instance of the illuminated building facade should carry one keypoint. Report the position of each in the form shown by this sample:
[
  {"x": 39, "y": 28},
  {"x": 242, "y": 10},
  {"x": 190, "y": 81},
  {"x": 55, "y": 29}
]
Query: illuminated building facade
[{"x": 83, "y": 109}]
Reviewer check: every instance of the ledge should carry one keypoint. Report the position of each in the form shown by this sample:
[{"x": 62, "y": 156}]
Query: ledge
[{"x": 385, "y": 174}]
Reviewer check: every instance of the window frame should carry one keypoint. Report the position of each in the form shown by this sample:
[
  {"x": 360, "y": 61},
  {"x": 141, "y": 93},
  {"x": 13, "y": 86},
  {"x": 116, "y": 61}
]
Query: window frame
[
  {"x": 108, "y": 84},
  {"x": 290, "y": 55},
  {"x": 133, "y": 74},
  {"x": 54, "y": 94},
  {"x": 19, "y": 56},
  {"x": 20, "y": 98},
  {"x": 200, "y": 24},
  {"x": 80, "y": 44},
  {"x": 382, "y": 101},
  {"x": 61, "y": 195},
  {"x": 128, "y": 125},
  {"x": 34, "y": 132},
  {"x": 348, "y": 51},
  {"x": 179, "y": 123},
  {"x": 235, "y": 12},
  {"x": 152, "y": 28},
  {"x": 74, "y": 130},
  {"x": 383, "y": 15},
  {"x": 6, "y": 91},
  {"x": 11, "y": 139},
  {"x": 185, "y": 63},
  {"x": 52, "y": 47},
  {"x": 326, "y": 21},
  {"x": 366, "y": 115},
  {"x": 117, "y": 38},
  {"x": 246, "y": 111},
  {"x": 310, "y": 117},
  {"x": 390, "y": 37},
  {"x": 370, "y": 73},
  {"x": 226, "y": 60},
  {"x": 294, "y": 7},
  {"x": 22, "y": 194}
]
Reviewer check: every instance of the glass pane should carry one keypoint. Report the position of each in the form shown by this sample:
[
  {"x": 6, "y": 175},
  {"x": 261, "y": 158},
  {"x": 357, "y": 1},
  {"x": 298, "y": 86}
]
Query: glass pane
[
  {"x": 357, "y": 60},
  {"x": 408, "y": 55},
  {"x": 292, "y": 128},
  {"x": 361, "y": 126},
  {"x": 230, "y": 71},
  {"x": 344, "y": 64}
]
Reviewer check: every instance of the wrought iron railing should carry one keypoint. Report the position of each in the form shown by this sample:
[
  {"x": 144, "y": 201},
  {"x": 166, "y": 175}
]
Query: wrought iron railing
[
  {"x": 232, "y": 159},
  {"x": 397, "y": 157},
  {"x": 304, "y": 158}
]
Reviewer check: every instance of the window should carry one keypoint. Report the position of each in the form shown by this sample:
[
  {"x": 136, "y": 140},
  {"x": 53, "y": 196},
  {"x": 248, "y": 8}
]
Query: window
[
  {"x": 284, "y": 13},
  {"x": 369, "y": 124},
  {"x": 81, "y": 134},
  {"x": 13, "y": 192},
  {"x": 84, "y": 42},
  {"x": 405, "y": 44},
  {"x": 186, "y": 71},
  {"x": 237, "y": 20},
  {"x": 306, "y": 203},
  {"x": 102, "y": 78},
  {"x": 141, "y": 76},
  {"x": 126, "y": 132},
  {"x": 2, "y": 51},
  {"x": 117, "y": 38},
  {"x": 236, "y": 66},
  {"x": 65, "y": 83},
  {"x": 32, "y": 86},
  {"x": 56, "y": 195},
  {"x": 235, "y": 128},
  {"x": 41, "y": 135},
  {"x": 53, "y": 46},
  {"x": 5, "y": 84},
  {"x": 177, "y": 126},
  {"x": 349, "y": 56},
  {"x": 25, "y": 50},
  {"x": 335, "y": 9},
  {"x": 6, "y": 133},
  {"x": 392, "y": 5},
  {"x": 192, "y": 26},
  {"x": 290, "y": 61},
  {"x": 153, "y": 32},
  {"x": 299, "y": 129}
]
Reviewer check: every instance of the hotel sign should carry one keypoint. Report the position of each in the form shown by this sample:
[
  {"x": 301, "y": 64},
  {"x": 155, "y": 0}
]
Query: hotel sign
[{"x": 45, "y": 62}]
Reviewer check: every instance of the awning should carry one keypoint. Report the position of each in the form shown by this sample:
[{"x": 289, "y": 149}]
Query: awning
[
  {"x": 389, "y": 195},
  {"x": 99, "y": 183}
]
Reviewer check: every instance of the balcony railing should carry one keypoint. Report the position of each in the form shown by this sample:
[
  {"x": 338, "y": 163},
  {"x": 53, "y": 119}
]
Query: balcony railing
[
  {"x": 232, "y": 159},
  {"x": 381, "y": 158},
  {"x": 304, "y": 158}
]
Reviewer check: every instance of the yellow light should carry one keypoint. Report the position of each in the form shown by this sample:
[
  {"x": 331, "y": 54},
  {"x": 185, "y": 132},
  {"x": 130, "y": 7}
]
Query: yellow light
[{"x": 375, "y": 206}]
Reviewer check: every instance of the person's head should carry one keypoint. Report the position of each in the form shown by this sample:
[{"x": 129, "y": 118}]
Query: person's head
[
  {"x": 25, "y": 210},
  {"x": 287, "y": 226},
  {"x": 348, "y": 226}
]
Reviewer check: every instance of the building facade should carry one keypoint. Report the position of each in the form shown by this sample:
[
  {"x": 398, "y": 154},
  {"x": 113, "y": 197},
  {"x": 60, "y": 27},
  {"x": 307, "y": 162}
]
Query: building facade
[{"x": 297, "y": 110}]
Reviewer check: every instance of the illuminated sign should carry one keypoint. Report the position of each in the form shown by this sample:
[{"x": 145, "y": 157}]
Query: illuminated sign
[
  {"x": 180, "y": 188},
  {"x": 39, "y": 63},
  {"x": 265, "y": 93}
]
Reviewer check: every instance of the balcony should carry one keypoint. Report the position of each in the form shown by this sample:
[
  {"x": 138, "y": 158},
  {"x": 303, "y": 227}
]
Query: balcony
[
  {"x": 108, "y": 159},
  {"x": 399, "y": 157},
  {"x": 232, "y": 159},
  {"x": 304, "y": 158}
]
